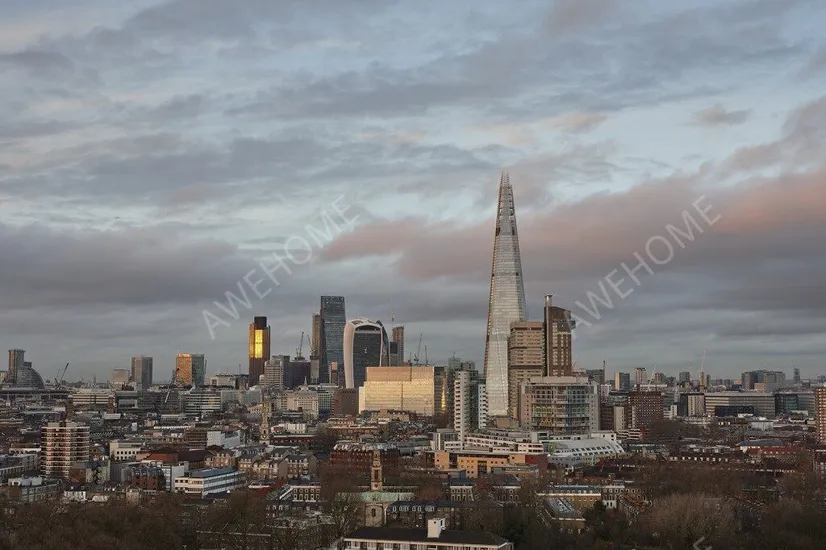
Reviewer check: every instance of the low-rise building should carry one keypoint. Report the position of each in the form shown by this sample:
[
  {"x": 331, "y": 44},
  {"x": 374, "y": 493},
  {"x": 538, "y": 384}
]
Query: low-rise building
[
  {"x": 32, "y": 489},
  {"x": 200, "y": 483},
  {"x": 434, "y": 537}
]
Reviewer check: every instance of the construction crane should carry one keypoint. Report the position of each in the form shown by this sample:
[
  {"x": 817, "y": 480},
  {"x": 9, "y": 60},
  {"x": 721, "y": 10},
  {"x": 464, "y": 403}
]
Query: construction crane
[
  {"x": 702, "y": 385},
  {"x": 425, "y": 357},
  {"x": 651, "y": 380},
  {"x": 418, "y": 351},
  {"x": 298, "y": 355},
  {"x": 59, "y": 381}
]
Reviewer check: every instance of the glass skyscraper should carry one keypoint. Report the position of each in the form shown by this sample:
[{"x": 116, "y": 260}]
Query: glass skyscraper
[
  {"x": 259, "y": 348},
  {"x": 365, "y": 345},
  {"x": 333, "y": 319},
  {"x": 507, "y": 300}
]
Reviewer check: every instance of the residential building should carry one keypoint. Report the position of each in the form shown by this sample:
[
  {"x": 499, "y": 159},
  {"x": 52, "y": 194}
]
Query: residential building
[
  {"x": 142, "y": 372},
  {"x": 506, "y": 302},
  {"x": 16, "y": 360},
  {"x": 365, "y": 345},
  {"x": 259, "y": 348},
  {"x": 820, "y": 414},
  {"x": 469, "y": 402},
  {"x": 32, "y": 489},
  {"x": 563, "y": 405},
  {"x": 558, "y": 325},
  {"x": 63, "y": 444},
  {"x": 647, "y": 407},
  {"x": 397, "y": 338},
  {"x": 526, "y": 359}
]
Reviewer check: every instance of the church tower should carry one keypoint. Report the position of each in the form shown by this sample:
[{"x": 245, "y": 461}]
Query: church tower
[{"x": 376, "y": 476}]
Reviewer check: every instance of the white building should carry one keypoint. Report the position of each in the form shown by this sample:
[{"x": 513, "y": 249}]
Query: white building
[
  {"x": 124, "y": 450},
  {"x": 210, "y": 481}
]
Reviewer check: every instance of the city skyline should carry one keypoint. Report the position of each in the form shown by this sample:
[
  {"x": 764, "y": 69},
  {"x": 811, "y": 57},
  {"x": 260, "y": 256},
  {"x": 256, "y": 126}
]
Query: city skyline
[{"x": 131, "y": 198}]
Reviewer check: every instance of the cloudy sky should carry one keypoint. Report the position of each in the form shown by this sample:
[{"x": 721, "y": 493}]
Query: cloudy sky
[{"x": 153, "y": 153}]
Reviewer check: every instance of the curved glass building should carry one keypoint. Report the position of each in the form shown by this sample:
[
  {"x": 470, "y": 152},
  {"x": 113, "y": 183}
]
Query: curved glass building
[{"x": 365, "y": 345}]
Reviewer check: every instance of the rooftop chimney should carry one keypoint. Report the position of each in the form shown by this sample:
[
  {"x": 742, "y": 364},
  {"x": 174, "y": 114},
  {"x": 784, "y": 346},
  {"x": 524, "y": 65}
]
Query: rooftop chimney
[{"x": 435, "y": 527}]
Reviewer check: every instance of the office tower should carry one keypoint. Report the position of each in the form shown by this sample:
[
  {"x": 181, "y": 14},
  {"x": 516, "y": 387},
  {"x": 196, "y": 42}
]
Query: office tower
[
  {"x": 142, "y": 372},
  {"x": 796, "y": 378},
  {"x": 365, "y": 345},
  {"x": 16, "y": 360},
  {"x": 622, "y": 381},
  {"x": 418, "y": 389},
  {"x": 190, "y": 369},
  {"x": 596, "y": 375},
  {"x": 315, "y": 342},
  {"x": 685, "y": 377},
  {"x": 468, "y": 402},
  {"x": 397, "y": 346},
  {"x": 259, "y": 348},
  {"x": 274, "y": 372},
  {"x": 646, "y": 407},
  {"x": 506, "y": 302},
  {"x": 820, "y": 414},
  {"x": 63, "y": 444},
  {"x": 558, "y": 325},
  {"x": 331, "y": 342},
  {"x": 563, "y": 405},
  {"x": 526, "y": 359},
  {"x": 296, "y": 373}
]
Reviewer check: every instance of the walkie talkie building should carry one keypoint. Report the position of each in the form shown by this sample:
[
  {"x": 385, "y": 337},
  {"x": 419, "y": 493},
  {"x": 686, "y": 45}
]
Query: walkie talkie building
[{"x": 507, "y": 300}]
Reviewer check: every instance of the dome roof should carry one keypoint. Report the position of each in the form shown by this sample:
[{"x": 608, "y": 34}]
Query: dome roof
[{"x": 26, "y": 377}]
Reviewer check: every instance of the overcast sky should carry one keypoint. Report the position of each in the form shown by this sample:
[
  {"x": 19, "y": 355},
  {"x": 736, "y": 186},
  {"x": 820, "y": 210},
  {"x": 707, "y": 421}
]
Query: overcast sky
[{"x": 152, "y": 153}]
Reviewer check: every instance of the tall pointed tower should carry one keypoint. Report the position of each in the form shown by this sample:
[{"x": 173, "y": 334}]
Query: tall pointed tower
[{"x": 507, "y": 300}]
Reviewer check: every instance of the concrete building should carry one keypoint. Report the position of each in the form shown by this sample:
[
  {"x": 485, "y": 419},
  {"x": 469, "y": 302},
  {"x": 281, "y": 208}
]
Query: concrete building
[
  {"x": 469, "y": 403},
  {"x": 622, "y": 381},
  {"x": 564, "y": 405},
  {"x": 434, "y": 537},
  {"x": 209, "y": 481},
  {"x": 526, "y": 359},
  {"x": 397, "y": 346},
  {"x": 63, "y": 444},
  {"x": 731, "y": 403},
  {"x": 646, "y": 407},
  {"x": 559, "y": 326},
  {"x": 274, "y": 372},
  {"x": 142, "y": 372},
  {"x": 820, "y": 414},
  {"x": 419, "y": 389}
]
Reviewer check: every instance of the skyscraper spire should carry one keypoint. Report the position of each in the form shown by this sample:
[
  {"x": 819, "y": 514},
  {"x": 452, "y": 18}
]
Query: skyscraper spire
[{"x": 507, "y": 299}]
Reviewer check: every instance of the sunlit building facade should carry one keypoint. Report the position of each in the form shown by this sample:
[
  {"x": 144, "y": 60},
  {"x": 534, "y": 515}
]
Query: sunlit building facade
[
  {"x": 507, "y": 299},
  {"x": 259, "y": 348},
  {"x": 526, "y": 359},
  {"x": 365, "y": 345},
  {"x": 558, "y": 339},
  {"x": 562, "y": 405},
  {"x": 418, "y": 389},
  {"x": 190, "y": 369}
]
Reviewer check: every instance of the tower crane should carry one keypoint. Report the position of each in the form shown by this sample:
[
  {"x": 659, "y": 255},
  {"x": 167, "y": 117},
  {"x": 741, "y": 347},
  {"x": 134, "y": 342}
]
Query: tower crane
[
  {"x": 59, "y": 381},
  {"x": 298, "y": 355},
  {"x": 418, "y": 351}
]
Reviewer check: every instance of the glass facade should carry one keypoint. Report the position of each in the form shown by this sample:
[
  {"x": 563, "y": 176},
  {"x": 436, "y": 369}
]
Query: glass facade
[
  {"x": 142, "y": 372},
  {"x": 259, "y": 348},
  {"x": 365, "y": 345},
  {"x": 507, "y": 300},
  {"x": 190, "y": 369},
  {"x": 418, "y": 389},
  {"x": 333, "y": 319}
]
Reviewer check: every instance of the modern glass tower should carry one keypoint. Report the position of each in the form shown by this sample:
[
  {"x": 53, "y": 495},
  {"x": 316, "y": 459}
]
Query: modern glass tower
[
  {"x": 365, "y": 345},
  {"x": 507, "y": 300},
  {"x": 333, "y": 319},
  {"x": 259, "y": 348}
]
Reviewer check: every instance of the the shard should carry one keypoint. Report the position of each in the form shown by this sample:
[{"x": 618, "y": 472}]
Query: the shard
[{"x": 507, "y": 300}]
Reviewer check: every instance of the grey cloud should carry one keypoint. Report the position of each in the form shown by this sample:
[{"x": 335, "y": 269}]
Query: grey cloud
[
  {"x": 571, "y": 16},
  {"x": 717, "y": 115},
  {"x": 37, "y": 60},
  {"x": 25, "y": 130}
]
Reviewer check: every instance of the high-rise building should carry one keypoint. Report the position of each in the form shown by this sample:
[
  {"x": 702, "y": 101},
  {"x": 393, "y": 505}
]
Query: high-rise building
[
  {"x": 469, "y": 402},
  {"x": 640, "y": 378},
  {"x": 563, "y": 405},
  {"x": 259, "y": 348},
  {"x": 506, "y": 302},
  {"x": 685, "y": 377},
  {"x": 142, "y": 372},
  {"x": 16, "y": 360},
  {"x": 622, "y": 381},
  {"x": 820, "y": 414},
  {"x": 526, "y": 359},
  {"x": 190, "y": 370},
  {"x": 397, "y": 345},
  {"x": 596, "y": 375},
  {"x": 63, "y": 444},
  {"x": 296, "y": 373},
  {"x": 120, "y": 377},
  {"x": 331, "y": 342},
  {"x": 558, "y": 325},
  {"x": 274, "y": 372},
  {"x": 796, "y": 376},
  {"x": 365, "y": 345},
  {"x": 315, "y": 342}
]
